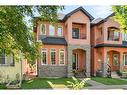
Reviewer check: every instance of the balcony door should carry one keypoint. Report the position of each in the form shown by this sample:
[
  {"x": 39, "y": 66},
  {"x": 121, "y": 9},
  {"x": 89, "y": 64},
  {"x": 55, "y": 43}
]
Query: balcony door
[{"x": 75, "y": 33}]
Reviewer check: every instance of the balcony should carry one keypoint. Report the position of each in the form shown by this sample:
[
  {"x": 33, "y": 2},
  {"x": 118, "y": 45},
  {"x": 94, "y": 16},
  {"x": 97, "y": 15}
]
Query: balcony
[{"x": 79, "y": 36}]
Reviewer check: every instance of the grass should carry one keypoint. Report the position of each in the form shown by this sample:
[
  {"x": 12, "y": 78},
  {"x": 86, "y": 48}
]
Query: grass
[
  {"x": 109, "y": 81},
  {"x": 2, "y": 86},
  {"x": 42, "y": 83}
]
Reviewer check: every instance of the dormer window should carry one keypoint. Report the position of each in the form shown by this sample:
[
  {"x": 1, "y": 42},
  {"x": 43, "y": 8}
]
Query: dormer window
[
  {"x": 51, "y": 30},
  {"x": 43, "y": 29},
  {"x": 75, "y": 33}
]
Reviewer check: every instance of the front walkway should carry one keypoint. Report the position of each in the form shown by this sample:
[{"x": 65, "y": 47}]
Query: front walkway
[{"x": 96, "y": 85}]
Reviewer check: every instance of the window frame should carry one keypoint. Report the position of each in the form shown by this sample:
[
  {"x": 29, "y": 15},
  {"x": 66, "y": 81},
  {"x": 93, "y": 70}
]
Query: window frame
[
  {"x": 124, "y": 59},
  {"x": 51, "y": 56},
  {"x": 46, "y": 50},
  {"x": 114, "y": 60},
  {"x": 50, "y": 31},
  {"x": 78, "y": 31},
  {"x": 61, "y": 31},
  {"x": 41, "y": 29},
  {"x": 59, "y": 56}
]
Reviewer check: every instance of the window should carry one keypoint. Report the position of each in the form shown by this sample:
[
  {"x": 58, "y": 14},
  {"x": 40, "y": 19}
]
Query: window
[
  {"x": 124, "y": 37},
  {"x": 7, "y": 60},
  {"x": 51, "y": 30},
  {"x": 116, "y": 59},
  {"x": 2, "y": 59},
  {"x": 125, "y": 59},
  {"x": 43, "y": 29},
  {"x": 62, "y": 56},
  {"x": 75, "y": 33},
  {"x": 53, "y": 56},
  {"x": 59, "y": 31},
  {"x": 44, "y": 56}
]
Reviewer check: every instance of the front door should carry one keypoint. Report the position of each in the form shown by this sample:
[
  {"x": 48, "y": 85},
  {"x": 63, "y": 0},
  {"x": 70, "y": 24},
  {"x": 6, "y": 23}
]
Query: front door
[{"x": 75, "y": 61}]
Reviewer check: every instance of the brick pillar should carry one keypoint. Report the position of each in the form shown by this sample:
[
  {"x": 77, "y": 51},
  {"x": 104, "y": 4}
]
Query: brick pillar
[
  {"x": 69, "y": 67},
  {"x": 104, "y": 63},
  {"x": 121, "y": 61},
  {"x": 88, "y": 62}
]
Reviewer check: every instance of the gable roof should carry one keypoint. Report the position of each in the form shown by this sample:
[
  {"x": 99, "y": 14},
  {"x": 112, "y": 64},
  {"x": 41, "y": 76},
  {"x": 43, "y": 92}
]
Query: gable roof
[
  {"x": 102, "y": 20},
  {"x": 76, "y": 10}
]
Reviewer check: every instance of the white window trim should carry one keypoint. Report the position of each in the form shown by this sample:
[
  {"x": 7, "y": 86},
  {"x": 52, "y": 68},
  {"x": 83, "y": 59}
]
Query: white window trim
[
  {"x": 55, "y": 56},
  {"x": 62, "y": 31},
  {"x": 59, "y": 56},
  {"x": 41, "y": 29},
  {"x": 50, "y": 31},
  {"x": 124, "y": 59},
  {"x": 46, "y": 56}
]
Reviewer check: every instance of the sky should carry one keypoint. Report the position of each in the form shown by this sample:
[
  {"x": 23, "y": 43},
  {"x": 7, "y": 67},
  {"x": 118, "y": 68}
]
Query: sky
[{"x": 95, "y": 11}]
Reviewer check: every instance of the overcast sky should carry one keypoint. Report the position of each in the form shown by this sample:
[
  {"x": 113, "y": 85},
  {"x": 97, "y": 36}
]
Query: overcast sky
[{"x": 95, "y": 11}]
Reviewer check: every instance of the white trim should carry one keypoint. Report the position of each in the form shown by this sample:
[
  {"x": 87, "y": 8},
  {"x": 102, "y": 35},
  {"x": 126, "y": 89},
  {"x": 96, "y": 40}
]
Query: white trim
[
  {"x": 124, "y": 59},
  {"x": 50, "y": 56},
  {"x": 46, "y": 50},
  {"x": 41, "y": 29},
  {"x": 59, "y": 56},
  {"x": 62, "y": 31}
]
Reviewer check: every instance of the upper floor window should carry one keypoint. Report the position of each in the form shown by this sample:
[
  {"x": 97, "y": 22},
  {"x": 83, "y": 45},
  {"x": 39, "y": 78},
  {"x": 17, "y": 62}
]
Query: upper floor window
[
  {"x": 113, "y": 34},
  {"x": 60, "y": 31},
  {"x": 43, "y": 29},
  {"x": 75, "y": 33},
  {"x": 51, "y": 30},
  {"x": 62, "y": 56},
  {"x": 53, "y": 56},
  {"x": 124, "y": 37},
  {"x": 44, "y": 56}
]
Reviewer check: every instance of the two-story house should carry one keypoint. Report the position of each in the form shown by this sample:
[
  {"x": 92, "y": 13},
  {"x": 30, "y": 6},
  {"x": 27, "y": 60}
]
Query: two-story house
[
  {"x": 78, "y": 42},
  {"x": 65, "y": 46},
  {"x": 109, "y": 46}
]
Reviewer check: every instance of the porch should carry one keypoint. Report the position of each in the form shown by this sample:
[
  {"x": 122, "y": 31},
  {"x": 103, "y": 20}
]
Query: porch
[
  {"x": 110, "y": 60},
  {"x": 78, "y": 61}
]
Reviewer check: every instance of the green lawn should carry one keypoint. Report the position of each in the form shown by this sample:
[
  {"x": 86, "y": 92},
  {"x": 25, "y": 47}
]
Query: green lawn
[
  {"x": 42, "y": 83},
  {"x": 109, "y": 81}
]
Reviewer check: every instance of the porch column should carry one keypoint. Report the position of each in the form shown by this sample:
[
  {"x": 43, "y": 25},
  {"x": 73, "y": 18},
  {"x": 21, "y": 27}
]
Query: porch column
[
  {"x": 104, "y": 64},
  {"x": 121, "y": 61},
  {"x": 88, "y": 62},
  {"x": 69, "y": 67}
]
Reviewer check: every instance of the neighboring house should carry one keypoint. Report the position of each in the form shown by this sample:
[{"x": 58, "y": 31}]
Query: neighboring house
[
  {"x": 109, "y": 46},
  {"x": 65, "y": 47},
  {"x": 10, "y": 68}
]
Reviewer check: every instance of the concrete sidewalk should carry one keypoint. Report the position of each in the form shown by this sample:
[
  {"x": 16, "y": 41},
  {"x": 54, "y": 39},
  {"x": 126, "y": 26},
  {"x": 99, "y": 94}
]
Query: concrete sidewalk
[{"x": 99, "y": 86}]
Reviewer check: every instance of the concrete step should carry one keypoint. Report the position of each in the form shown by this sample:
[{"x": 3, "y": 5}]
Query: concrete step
[
  {"x": 80, "y": 75},
  {"x": 114, "y": 75}
]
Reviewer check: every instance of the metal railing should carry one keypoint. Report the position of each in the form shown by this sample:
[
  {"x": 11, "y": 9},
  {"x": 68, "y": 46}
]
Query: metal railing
[{"x": 79, "y": 36}]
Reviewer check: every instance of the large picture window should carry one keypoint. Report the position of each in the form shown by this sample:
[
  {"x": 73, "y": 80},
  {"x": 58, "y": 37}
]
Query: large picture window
[
  {"x": 62, "y": 56},
  {"x": 125, "y": 59},
  {"x": 43, "y": 29},
  {"x": 53, "y": 56},
  {"x": 44, "y": 56},
  {"x": 51, "y": 30}
]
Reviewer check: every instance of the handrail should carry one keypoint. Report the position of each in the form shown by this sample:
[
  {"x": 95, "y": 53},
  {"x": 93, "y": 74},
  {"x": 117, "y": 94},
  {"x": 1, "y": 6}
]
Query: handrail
[{"x": 109, "y": 71}]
